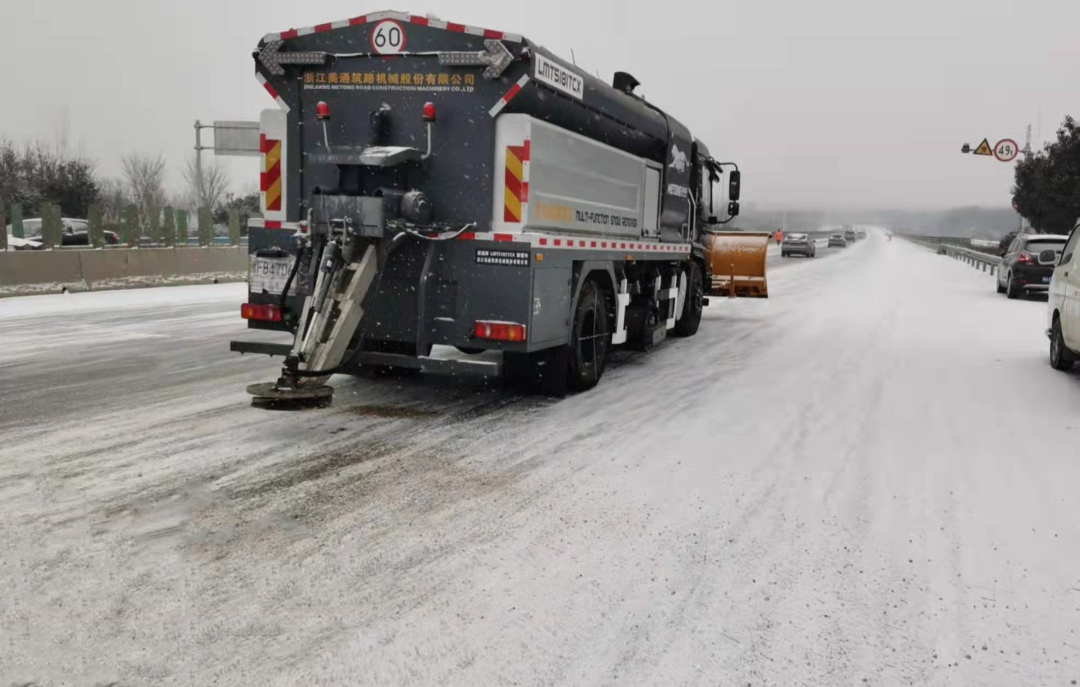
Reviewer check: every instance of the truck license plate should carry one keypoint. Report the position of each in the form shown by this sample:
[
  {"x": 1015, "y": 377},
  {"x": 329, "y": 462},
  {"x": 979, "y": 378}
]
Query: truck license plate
[{"x": 268, "y": 275}]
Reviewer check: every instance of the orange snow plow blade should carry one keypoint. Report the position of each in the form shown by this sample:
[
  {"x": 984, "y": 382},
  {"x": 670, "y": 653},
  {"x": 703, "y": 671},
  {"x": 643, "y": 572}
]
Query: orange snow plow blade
[{"x": 739, "y": 257}]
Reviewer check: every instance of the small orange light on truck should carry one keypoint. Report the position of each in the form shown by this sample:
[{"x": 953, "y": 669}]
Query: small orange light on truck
[
  {"x": 499, "y": 331},
  {"x": 261, "y": 313}
]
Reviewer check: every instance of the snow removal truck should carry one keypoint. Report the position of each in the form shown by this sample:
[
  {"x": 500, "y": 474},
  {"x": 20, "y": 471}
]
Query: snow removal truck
[{"x": 429, "y": 183}]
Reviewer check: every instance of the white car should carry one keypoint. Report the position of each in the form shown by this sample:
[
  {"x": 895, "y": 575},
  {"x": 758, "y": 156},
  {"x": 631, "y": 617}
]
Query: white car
[{"x": 1063, "y": 311}]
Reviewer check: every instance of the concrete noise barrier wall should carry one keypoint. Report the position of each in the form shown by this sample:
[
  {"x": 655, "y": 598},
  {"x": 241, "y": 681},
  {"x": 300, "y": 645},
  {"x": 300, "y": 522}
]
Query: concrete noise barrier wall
[{"x": 51, "y": 271}]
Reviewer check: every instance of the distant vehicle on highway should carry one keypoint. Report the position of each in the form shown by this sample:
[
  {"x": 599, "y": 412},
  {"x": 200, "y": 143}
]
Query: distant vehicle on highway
[
  {"x": 75, "y": 232},
  {"x": 1063, "y": 308},
  {"x": 1028, "y": 264},
  {"x": 798, "y": 244},
  {"x": 849, "y": 236},
  {"x": 860, "y": 234},
  {"x": 837, "y": 241}
]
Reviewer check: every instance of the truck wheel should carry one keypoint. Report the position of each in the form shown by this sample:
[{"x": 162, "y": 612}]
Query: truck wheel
[
  {"x": 1060, "y": 357},
  {"x": 693, "y": 306},
  {"x": 590, "y": 339}
]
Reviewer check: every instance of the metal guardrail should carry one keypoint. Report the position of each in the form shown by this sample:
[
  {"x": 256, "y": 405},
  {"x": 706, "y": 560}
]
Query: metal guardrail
[
  {"x": 977, "y": 259},
  {"x": 958, "y": 251}
]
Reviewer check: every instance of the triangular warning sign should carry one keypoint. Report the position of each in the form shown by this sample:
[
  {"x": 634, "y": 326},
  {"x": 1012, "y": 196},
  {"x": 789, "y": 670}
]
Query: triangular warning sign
[{"x": 984, "y": 148}]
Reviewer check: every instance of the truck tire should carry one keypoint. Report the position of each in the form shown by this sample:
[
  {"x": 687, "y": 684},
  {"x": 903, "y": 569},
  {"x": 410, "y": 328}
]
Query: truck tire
[
  {"x": 693, "y": 306},
  {"x": 590, "y": 339}
]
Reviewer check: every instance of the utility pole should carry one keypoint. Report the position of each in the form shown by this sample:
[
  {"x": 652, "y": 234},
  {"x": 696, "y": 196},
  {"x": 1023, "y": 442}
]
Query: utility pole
[
  {"x": 199, "y": 126},
  {"x": 1025, "y": 226}
]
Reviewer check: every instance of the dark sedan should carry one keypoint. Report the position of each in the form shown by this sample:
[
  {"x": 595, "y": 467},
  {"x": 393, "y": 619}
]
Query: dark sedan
[{"x": 1029, "y": 263}]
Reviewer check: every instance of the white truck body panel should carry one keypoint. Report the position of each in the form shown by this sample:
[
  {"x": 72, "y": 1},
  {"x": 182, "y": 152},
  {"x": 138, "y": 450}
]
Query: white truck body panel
[{"x": 548, "y": 179}]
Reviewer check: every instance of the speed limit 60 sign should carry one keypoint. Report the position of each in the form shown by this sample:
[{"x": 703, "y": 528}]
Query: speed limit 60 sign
[
  {"x": 388, "y": 37},
  {"x": 1006, "y": 150}
]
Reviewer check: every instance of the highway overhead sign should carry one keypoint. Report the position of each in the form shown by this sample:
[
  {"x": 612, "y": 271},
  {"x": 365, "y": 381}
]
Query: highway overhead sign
[
  {"x": 1006, "y": 150},
  {"x": 984, "y": 148}
]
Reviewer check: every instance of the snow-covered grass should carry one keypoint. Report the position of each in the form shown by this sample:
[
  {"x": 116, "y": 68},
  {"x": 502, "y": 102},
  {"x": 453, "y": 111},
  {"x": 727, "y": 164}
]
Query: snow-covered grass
[
  {"x": 149, "y": 281},
  {"x": 122, "y": 300},
  {"x": 866, "y": 479}
]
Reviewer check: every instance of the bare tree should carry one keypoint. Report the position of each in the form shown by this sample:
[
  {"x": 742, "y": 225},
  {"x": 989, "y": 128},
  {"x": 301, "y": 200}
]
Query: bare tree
[
  {"x": 211, "y": 189},
  {"x": 145, "y": 177},
  {"x": 114, "y": 198}
]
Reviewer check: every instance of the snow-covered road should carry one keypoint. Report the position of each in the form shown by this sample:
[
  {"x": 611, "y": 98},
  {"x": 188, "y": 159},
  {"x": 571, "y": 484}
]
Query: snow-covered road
[{"x": 869, "y": 478}]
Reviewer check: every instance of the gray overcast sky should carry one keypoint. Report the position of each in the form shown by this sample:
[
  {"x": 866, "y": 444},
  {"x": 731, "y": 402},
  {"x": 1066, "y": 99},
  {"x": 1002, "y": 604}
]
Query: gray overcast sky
[{"x": 824, "y": 103}]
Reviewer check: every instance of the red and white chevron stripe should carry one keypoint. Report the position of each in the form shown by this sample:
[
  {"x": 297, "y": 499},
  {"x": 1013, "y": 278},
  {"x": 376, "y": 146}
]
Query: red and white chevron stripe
[
  {"x": 399, "y": 16},
  {"x": 509, "y": 95},
  {"x": 272, "y": 91}
]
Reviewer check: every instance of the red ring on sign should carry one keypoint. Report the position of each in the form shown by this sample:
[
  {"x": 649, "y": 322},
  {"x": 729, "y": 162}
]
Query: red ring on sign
[
  {"x": 1016, "y": 150},
  {"x": 401, "y": 28}
]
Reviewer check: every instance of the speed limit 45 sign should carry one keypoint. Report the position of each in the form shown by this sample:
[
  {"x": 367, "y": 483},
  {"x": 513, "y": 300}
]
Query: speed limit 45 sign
[{"x": 1006, "y": 150}]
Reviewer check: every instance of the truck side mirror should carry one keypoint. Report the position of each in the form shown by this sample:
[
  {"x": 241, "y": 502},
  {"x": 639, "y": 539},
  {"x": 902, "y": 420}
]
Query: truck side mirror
[
  {"x": 734, "y": 184},
  {"x": 733, "y": 207}
]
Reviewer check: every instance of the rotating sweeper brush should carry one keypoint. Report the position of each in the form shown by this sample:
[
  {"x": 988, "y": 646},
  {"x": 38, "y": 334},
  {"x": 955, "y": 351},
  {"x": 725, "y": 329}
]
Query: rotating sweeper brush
[{"x": 329, "y": 320}]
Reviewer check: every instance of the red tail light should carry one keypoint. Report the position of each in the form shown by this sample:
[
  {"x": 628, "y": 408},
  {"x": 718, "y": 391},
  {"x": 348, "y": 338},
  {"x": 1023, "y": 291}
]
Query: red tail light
[
  {"x": 262, "y": 313},
  {"x": 1025, "y": 259},
  {"x": 499, "y": 331}
]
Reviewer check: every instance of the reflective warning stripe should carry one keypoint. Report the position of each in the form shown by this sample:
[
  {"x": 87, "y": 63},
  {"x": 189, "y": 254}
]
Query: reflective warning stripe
[
  {"x": 261, "y": 223},
  {"x": 509, "y": 95},
  {"x": 517, "y": 184},
  {"x": 551, "y": 242},
  {"x": 272, "y": 91},
  {"x": 270, "y": 179}
]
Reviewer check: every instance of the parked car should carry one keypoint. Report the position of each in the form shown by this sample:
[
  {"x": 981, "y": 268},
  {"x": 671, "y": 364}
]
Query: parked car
[
  {"x": 837, "y": 241},
  {"x": 75, "y": 232},
  {"x": 798, "y": 244},
  {"x": 1028, "y": 264},
  {"x": 849, "y": 235},
  {"x": 1063, "y": 308}
]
